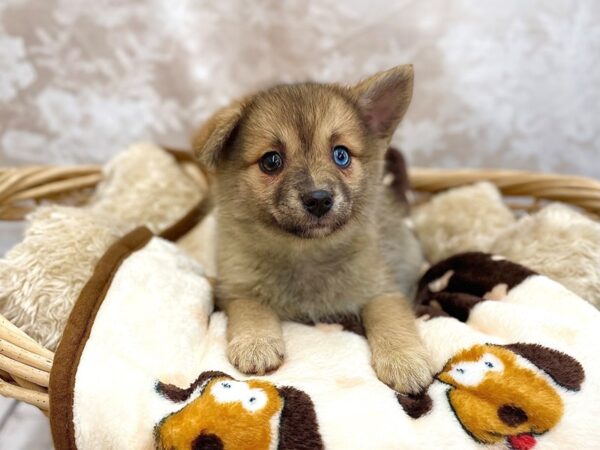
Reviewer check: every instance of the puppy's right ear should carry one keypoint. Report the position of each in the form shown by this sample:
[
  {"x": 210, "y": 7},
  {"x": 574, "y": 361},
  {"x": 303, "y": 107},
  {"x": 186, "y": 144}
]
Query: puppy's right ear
[
  {"x": 211, "y": 138},
  {"x": 384, "y": 99}
]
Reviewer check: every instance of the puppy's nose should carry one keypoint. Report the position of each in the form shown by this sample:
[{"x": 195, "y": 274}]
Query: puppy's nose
[{"x": 318, "y": 202}]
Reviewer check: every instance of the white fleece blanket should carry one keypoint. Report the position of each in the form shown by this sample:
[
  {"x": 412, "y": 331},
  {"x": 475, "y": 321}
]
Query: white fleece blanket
[{"x": 142, "y": 365}]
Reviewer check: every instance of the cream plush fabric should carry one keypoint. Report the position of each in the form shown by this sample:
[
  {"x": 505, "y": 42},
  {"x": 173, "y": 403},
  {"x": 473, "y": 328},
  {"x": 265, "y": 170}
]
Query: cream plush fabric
[
  {"x": 145, "y": 185},
  {"x": 556, "y": 241},
  {"x": 462, "y": 219},
  {"x": 154, "y": 335},
  {"x": 41, "y": 277},
  {"x": 560, "y": 243}
]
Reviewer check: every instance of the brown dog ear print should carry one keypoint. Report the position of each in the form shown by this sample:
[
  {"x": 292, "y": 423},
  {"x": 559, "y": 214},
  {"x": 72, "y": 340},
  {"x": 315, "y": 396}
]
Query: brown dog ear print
[
  {"x": 298, "y": 427},
  {"x": 177, "y": 394},
  {"x": 496, "y": 398},
  {"x": 455, "y": 285},
  {"x": 564, "y": 370},
  {"x": 230, "y": 414}
]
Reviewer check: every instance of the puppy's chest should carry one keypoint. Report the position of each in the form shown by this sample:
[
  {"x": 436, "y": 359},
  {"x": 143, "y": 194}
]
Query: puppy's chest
[{"x": 306, "y": 289}]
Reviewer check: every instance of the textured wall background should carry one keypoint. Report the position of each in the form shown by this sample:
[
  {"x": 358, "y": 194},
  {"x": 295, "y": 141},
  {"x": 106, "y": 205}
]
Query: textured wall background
[{"x": 505, "y": 83}]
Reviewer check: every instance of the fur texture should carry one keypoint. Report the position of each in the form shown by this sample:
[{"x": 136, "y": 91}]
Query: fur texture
[
  {"x": 41, "y": 277},
  {"x": 462, "y": 219},
  {"x": 144, "y": 185},
  {"x": 278, "y": 261},
  {"x": 200, "y": 244},
  {"x": 560, "y": 243},
  {"x": 494, "y": 396}
]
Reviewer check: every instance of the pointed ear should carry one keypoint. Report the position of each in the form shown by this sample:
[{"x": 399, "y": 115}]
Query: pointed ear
[
  {"x": 384, "y": 99},
  {"x": 211, "y": 138}
]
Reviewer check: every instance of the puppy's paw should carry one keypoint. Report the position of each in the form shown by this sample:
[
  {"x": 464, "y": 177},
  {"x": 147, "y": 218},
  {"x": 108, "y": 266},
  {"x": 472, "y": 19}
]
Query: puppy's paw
[
  {"x": 405, "y": 370},
  {"x": 256, "y": 355}
]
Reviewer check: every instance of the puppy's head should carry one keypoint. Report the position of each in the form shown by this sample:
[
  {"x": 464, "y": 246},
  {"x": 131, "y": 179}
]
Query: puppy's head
[{"x": 306, "y": 159}]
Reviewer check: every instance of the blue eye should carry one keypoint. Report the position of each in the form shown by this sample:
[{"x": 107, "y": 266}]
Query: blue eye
[
  {"x": 489, "y": 364},
  {"x": 460, "y": 370},
  {"x": 341, "y": 156},
  {"x": 226, "y": 385},
  {"x": 252, "y": 399}
]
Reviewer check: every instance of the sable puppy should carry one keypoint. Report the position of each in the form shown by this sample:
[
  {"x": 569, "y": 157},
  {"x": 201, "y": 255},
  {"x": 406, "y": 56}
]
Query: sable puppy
[{"x": 306, "y": 228}]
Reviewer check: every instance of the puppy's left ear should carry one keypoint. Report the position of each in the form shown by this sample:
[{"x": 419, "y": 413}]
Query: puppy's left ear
[
  {"x": 384, "y": 99},
  {"x": 210, "y": 140}
]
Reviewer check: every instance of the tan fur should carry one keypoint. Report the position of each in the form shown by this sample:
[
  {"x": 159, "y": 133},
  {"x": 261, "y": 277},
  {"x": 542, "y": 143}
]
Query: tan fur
[
  {"x": 199, "y": 243},
  {"x": 392, "y": 334},
  {"x": 276, "y": 261},
  {"x": 254, "y": 336}
]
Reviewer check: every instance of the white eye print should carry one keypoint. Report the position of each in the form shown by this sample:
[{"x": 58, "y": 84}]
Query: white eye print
[
  {"x": 256, "y": 400},
  {"x": 492, "y": 363},
  {"x": 471, "y": 373},
  {"x": 467, "y": 373},
  {"x": 231, "y": 391}
]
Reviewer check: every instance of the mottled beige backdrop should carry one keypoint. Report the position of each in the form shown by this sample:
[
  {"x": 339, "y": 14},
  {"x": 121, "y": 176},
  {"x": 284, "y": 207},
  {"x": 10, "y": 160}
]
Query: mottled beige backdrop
[{"x": 510, "y": 83}]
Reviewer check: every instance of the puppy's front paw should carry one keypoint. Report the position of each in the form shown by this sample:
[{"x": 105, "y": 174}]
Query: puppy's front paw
[
  {"x": 256, "y": 355},
  {"x": 406, "y": 370}
]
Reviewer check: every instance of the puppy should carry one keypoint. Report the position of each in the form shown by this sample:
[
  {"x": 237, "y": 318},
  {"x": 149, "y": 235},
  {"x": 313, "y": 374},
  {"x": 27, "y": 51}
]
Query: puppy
[{"x": 306, "y": 228}]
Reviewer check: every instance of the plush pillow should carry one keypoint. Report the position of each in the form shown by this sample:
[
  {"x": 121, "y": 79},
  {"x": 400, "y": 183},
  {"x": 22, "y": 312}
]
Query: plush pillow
[
  {"x": 463, "y": 219},
  {"x": 41, "y": 276},
  {"x": 560, "y": 243}
]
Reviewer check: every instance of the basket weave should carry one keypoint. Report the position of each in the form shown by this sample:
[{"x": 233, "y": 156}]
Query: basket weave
[{"x": 25, "y": 364}]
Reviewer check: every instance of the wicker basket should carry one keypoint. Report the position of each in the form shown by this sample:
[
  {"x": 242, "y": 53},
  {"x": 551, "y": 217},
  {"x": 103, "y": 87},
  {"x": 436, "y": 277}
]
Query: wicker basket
[{"x": 25, "y": 364}]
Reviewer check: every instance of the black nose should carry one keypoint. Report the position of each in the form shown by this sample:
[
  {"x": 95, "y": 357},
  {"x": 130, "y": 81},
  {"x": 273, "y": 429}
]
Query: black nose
[{"x": 318, "y": 202}]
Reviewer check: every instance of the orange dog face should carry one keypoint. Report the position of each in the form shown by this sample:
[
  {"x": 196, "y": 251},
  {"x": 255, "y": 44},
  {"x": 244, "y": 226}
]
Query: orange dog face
[
  {"x": 226, "y": 409},
  {"x": 239, "y": 415},
  {"x": 305, "y": 159},
  {"x": 495, "y": 396}
]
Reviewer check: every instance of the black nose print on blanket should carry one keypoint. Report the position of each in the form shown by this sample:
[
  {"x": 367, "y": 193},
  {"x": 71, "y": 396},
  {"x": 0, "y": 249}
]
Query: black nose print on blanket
[
  {"x": 455, "y": 285},
  {"x": 512, "y": 415},
  {"x": 207, "y": 442}
]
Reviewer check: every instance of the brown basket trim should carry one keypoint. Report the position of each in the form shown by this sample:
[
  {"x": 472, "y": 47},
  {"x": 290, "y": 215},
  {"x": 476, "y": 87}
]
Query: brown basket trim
[
  {"x": 77, "y": 332},
  {"x": 188, "y": 221}
]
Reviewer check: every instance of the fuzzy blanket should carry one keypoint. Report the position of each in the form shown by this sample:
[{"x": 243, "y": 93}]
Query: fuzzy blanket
[{"x": 142, "y": 365}]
